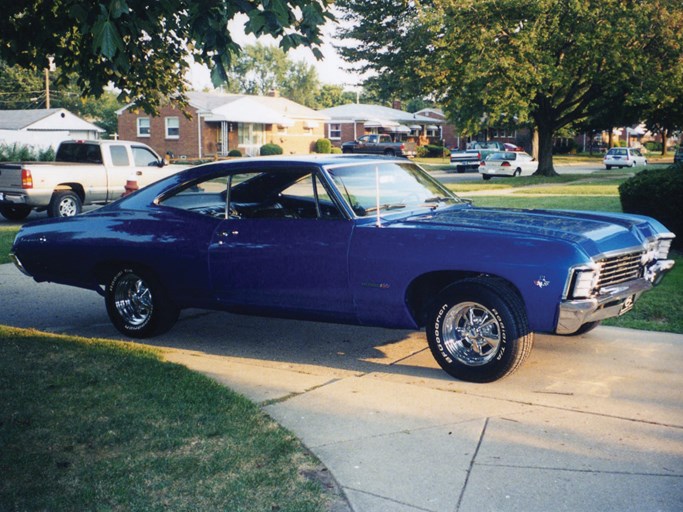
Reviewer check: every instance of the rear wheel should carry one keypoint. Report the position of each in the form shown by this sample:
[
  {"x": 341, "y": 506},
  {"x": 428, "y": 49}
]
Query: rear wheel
[
  {"x": 389, "y": 152},
  {"x": 64, "y": 203},
  {"x": 486, "y": 177},
  {"x": 138, "y": 305},
  {"x": 15, "y": 212},
  {"x": 477, "y": 330},
  {"x": 517, "y": 172},
  {"x": 608, "y": 167}
]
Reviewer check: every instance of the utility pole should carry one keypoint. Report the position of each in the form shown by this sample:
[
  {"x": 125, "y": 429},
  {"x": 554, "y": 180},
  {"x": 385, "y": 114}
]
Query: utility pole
[{"x": 47, "y": 88}]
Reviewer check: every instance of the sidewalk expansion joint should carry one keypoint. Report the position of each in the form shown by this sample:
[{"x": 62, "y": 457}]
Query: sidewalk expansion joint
[
  {"x": 579, "y": 470},
  {"x": 567, "y": 409},
  {"x": 294, "y": 394},
  {"x": 472, "y": 463},
  {"x": 391, "y": 500}
]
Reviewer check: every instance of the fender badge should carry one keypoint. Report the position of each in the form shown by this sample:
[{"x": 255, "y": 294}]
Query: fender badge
[
  {"x": 541, "y": 282},
  {"x": 382, "y": 286}
]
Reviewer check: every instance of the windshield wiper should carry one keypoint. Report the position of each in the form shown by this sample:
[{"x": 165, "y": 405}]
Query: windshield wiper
[
  {"x": 392, "y": 206},
  {"x": 437, "y": 199}
]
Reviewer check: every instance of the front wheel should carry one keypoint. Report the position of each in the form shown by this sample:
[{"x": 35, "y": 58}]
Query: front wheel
[
  {"x": 138, "y": 305},
  {"x": 477, "y": 330}
]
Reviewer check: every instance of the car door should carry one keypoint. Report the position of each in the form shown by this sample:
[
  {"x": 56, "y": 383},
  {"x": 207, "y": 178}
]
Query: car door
[{"x": 276, "y": 258}]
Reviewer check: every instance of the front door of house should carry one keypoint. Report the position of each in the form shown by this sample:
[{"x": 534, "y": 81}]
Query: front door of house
[{"x": 251, "y": 137}]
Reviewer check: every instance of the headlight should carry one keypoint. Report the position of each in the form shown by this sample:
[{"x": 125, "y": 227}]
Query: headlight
[
  {"x": 662, "y": 248},
  {"x": 582, "y": 282}
]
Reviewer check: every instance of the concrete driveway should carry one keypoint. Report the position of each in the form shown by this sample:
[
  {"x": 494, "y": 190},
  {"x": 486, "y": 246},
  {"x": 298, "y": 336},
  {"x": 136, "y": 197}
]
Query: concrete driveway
[{"x": 588, "y": 423}]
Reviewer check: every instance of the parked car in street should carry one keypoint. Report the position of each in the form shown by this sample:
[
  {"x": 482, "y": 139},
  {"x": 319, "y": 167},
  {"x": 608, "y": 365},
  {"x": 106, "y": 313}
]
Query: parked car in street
[
  {"x": 508, "y": 163},
  {"x": 624, "y": 157},
  {"x": 379, "y": 144},
  {"x": 476, "y": 152},
  {"x": 351, "y": 239}
]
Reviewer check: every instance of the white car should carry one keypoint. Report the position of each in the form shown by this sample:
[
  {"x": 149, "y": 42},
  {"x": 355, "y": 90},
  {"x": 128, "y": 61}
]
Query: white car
[
  {"x": 507, "y": 163},
  {"x": 624, "y": 157}
]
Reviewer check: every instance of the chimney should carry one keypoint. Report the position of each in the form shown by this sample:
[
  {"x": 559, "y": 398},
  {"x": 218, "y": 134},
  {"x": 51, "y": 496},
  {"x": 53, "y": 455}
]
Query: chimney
[
  {"x": 396, "y": 104},
  {"x": 273, "y": 93}
]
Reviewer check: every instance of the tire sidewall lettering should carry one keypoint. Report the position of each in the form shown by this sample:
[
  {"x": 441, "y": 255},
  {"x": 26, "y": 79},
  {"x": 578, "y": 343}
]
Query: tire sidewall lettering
[{"x": 438, "y": 333}]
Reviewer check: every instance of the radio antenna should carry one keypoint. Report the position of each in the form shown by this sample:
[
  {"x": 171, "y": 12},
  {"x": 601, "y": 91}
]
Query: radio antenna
[{"x": 379, "y": 220}]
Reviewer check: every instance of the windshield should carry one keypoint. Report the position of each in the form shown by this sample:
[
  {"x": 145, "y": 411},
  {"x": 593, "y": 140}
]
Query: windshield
[{"x": 402, "y": 185}]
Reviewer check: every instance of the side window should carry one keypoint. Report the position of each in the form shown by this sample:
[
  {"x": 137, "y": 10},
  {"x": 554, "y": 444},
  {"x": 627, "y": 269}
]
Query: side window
[
  {"x": 143, "y": 127},
  {"x": 205, "y": 198},
  {"x": 119, "y": 156},
  {"x": 172, "y": 127},
  {"x": 143, "y": 157},
  {"x": 308, "y": 198}
]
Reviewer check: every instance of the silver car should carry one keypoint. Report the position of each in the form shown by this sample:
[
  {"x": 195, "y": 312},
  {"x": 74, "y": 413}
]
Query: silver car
[{"x": 624, "y": 157}]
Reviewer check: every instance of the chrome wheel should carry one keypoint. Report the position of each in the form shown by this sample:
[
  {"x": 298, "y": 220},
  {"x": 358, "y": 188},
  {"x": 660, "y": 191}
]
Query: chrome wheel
[
  {"x": 67, "y": 207},
  {"x": 471, "y": 334},
  {"x": 133, "y": 300}
]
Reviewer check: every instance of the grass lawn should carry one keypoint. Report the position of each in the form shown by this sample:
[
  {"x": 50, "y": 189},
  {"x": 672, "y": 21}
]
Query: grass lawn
[
  {"x": 7, "y": 234},
  {"x": 97, "y": 425}
]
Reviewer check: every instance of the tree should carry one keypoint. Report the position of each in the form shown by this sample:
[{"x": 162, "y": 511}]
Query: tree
[
  {"x": 262, "y": 69},
  {"x": 258, "y": 70},
  {"x": 143, "y": 47},
  {"x": 545, "y": 61}
]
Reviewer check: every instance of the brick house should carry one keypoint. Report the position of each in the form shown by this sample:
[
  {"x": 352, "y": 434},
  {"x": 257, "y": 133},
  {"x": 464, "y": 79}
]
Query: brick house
[
  {"x": 223, "y": 122},
  {"x": 348, "y": 122}
]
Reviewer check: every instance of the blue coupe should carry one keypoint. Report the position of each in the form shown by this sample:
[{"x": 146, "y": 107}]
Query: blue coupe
[{"x": 354, "y": 239}]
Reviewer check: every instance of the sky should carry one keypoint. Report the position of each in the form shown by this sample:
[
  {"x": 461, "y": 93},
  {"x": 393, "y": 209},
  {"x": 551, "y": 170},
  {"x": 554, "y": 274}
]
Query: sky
[{"x": 331, "y": 70}]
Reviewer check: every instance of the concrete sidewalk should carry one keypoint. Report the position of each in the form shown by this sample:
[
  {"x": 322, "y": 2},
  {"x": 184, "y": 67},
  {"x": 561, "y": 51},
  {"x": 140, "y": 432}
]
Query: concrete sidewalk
[{"x": 588, "y": 423}]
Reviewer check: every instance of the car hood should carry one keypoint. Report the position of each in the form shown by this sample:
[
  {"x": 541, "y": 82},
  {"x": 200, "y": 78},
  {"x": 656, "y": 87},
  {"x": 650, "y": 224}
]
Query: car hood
[{"x": 596, "y": 233}]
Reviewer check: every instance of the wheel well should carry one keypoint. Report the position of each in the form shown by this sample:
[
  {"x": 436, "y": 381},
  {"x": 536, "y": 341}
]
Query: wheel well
[
  {"x": 74, "y": 187},
  {"x": 106, "y": 270},
  {"x": 424, "y": 289}
]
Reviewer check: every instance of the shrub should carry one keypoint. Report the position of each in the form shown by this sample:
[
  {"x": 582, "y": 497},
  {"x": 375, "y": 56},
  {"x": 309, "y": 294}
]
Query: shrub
[
  {"x": 421, "y": 151},
  {"x": 270, "y": 149},
  {"x": 432, "y": 151},
  {"x": 323, "y": 146},
  {"x": 336, "y": 151},
  {"x": 235, "y": 152},
  {"x": 657, "y": 193}
]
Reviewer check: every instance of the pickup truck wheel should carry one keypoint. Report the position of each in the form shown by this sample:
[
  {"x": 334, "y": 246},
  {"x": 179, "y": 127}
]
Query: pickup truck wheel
[
  {"x": 15, "y": 212},
  {"x": 64, "y": 203},
  {"x": 477, "y": 330},
  {"x": 389, "y": 152},
  {"x": 138, "y": 305},
  {"x": 486, "y": 177}
]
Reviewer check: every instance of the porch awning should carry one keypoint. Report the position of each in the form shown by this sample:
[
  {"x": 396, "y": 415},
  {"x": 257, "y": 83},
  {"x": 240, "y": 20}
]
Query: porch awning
[{"x": 247, "y": 110}]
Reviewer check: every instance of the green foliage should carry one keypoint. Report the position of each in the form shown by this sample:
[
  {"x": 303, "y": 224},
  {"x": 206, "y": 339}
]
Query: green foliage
[
  {"x": 235, "y": 152},
  {"x": 270, "y": 149},
  {"x": 545, "y": 62},
  {"x": 432, "y": 151},
  {"x": 657, "y": 193},
  {"x": 24, "y": 153},
  {"x": 145, "y": 48},
  {"x": 323, "y": 146},
  {"x": 336, "y": 151}
]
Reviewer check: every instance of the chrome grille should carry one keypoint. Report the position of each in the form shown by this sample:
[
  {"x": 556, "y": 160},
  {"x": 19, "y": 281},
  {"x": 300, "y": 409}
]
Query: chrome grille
[{"x": 619, "y": 269}]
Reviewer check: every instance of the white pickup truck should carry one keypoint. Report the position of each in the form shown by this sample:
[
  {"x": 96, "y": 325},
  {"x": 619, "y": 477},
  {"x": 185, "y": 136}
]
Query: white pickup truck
[{"x": 84, "y": 172}]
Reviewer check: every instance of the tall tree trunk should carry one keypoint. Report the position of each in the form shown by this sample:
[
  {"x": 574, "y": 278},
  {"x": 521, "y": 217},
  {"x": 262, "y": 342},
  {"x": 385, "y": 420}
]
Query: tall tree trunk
[
  {"x": 665, "y": 137},
  {"x": 545, "y": 149}
]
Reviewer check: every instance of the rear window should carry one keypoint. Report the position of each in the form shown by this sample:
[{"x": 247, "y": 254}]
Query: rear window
[{"x": 79, "y": 152}]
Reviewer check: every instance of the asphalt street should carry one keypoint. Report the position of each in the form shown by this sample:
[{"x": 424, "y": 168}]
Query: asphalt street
[{"x": 588, "y": 423}]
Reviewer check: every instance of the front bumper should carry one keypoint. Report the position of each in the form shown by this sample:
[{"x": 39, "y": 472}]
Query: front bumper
[{"x": 612, "y": 301}]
